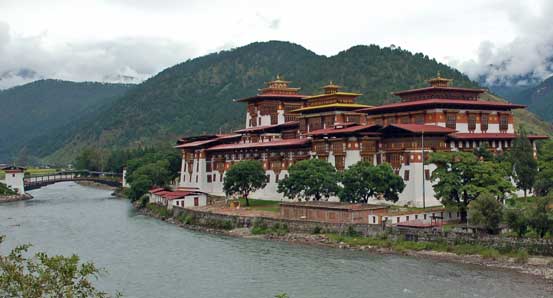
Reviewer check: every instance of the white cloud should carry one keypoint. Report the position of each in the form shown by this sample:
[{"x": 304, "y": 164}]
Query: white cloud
[
  {"x": 525, "y": 59},
  {"x": 111, "y": 40}
]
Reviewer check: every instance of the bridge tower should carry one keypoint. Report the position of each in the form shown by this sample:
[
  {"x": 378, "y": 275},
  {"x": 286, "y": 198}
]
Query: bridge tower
[{"x": 14, "y": 178}]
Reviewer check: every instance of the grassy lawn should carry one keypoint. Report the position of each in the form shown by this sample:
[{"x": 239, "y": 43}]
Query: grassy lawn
[
  {"x": 263, "y": 205},
  {"x": 37, "y": 171}
]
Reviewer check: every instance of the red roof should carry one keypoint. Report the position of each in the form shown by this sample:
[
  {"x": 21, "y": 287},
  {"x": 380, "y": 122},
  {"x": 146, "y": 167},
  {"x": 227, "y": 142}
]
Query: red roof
[
  {"x": 439, "y": 88},
  {"x": 496, "y": 136},
  {"x": 279, "y": 143},
  {"x": 273, "y": 95},
  {"x": 156, "y": 190},
  {"x": 172, "y": 195},
  {"x": 420, "y": 128},
  {"x": 334, "y": 130},
  {"x": 266, "y": 127},
  {"x": 205, "y": 142},
  {"x": 438, "y": 102}
]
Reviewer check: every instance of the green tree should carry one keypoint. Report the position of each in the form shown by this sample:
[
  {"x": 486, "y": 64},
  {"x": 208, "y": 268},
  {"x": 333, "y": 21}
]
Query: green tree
[
  {"x": 139, "y": 187},
  {"x": 544, "y": 180},
  {"x": 158, "y": 172},
  {"x": 45, "y": 276},
  {"x": 244, "y": 178},
  {"x": 516, "y": 220},
  {"x": 482, "y": 152},
  {"x": 541, "y": 216},
  {"x": 364, "y": 180},
  {"x": 525, "y": 167},
  {"x": 460, "y": 178},
  {"x": 311, "y": 178},
  {"x": 486, "y": 212}
]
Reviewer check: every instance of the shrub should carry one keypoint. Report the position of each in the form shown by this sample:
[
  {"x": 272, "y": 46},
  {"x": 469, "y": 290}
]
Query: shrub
[
  {"x": 486, "y": 212},
  {"x": 516, "y": 220},
  {"x": 351, "y": 232},
  {"x": 317, "y": 230}
]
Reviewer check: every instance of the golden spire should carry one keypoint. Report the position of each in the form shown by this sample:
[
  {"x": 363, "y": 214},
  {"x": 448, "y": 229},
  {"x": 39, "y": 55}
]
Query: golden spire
[
  {"x": 438, "y": 81},
  {"x": 331, "y": 88}
]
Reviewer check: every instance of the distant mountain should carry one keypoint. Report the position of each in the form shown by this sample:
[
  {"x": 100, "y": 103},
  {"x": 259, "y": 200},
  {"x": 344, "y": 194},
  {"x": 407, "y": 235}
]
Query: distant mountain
[
  {"x": 43, "y": 107},
  {"x": 196, "y": 96},
  {"x": 539, "y": 98}
]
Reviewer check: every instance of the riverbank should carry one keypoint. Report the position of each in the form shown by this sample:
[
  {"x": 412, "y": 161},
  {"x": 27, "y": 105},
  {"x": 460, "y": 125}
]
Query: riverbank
[
  {"x": 539, "y": 266},
  {"x": 96, "y": 185},
  {"x": 15, "y": 198}
]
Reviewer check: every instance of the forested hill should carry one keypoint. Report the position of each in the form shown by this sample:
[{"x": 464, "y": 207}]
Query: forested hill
[
  {"x": 43, "y": 107},
  {"x": 539, "y": 99},
  {"x": 196, "y": 96}
]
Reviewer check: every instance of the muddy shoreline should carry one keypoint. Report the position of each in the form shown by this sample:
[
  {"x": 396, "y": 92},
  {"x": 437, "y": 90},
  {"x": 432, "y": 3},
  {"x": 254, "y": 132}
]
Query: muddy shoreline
[{"x": 538, "y": 266}]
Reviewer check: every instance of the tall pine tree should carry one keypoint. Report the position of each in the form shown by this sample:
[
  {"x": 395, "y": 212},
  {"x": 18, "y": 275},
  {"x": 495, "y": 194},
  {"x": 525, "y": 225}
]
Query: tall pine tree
[{"x": 525, "y": 167}]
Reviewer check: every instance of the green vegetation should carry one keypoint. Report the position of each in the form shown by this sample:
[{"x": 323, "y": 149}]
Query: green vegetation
[
  {"x": 5, "y": 191},
  {"x": 364, "y": 180},
  {"x": 404, "y": 245},
  {"x": 486, "y": 212},
  {"x": 538, "y": 98},
  {"x": 260, "y": 227},
  {"x": 46, "y": 276},
  {"x": 158, "y": 210},
  {"x": 245, "y": 177},
  {"x": 195, "y": 97},
  {"x": 310, "y": 179},
  {"x": 525, "y": 167},
  {"x": 47, "y": 109},
  {"x": 460, "y": 178},
  {"x": 263, "y": 205}
]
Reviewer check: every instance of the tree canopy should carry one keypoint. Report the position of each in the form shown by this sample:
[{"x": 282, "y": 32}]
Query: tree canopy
[
  {"x": 460, "y": 178},
  {"x": 364, "y": 180},
  {"x": 42, "y": 275},
  {"x": 245, "y": 177},
  {"x": 486, "y": 212},
  {"x": 525, "y": 166},
  {"x": 310, "y": 179}
]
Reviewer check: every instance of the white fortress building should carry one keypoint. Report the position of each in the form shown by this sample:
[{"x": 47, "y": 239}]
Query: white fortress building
[{"x": 283, "y": 127}]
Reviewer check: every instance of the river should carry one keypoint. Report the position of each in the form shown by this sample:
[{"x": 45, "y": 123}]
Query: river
[{"x": 145, "y": 257}]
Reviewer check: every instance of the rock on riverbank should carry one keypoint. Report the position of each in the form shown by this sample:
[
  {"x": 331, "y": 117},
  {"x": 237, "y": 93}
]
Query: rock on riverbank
[{"x": 15, "y": 198}]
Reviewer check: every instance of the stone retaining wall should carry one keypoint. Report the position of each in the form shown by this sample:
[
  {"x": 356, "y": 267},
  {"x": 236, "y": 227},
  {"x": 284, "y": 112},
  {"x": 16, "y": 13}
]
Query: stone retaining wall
[
  {"x": 298, "y": 226},
  {"x": 533, "y": 246}
]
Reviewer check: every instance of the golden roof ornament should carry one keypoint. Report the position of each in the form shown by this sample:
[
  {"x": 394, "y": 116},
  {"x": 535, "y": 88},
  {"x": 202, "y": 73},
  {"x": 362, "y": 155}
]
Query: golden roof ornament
[
  {"x": 438, "y": 81},
  {"x": 331, "y": 88}
]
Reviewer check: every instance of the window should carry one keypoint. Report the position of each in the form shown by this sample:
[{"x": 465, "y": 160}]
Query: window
[
  {"x": 398, "y": 219},
  {"x": 406, "y": 158},
  {"x": 406, "y": 175},
  {"x": 196, "y": 178},
  {"x": 221, "y": 178},
  {"x": 340, "y": 162},
  {"x": 419, "y": 119},
  {"x": 451, "y": 121},
  {"x": 374, "y": 219},
  {"x": 274, "y": 118},
  {"x": 404, "y": 119},
  {"x": 416, "y": 216},
  {"x": 407, "y": 218},
  {"x": 472, "y": 122},
  {"x": 503, "y": 122},
  {"x": 484, "y": 122},
  {"x": 208, "y": 178},
  {"x": 196, "y": 201},
  {"x": 427, "y": 174},
  {"x": 424, "y": 216},
  {"x": 277, "y": 177},
  {"x": 390, "y": 120}
]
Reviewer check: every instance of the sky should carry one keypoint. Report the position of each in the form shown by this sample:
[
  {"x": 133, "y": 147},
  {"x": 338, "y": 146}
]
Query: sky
[{"x": 502, "y": 42}]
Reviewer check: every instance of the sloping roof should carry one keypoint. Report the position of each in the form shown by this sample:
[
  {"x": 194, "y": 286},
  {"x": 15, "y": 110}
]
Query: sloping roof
[
  {"x": 438, "y": 89},
  {"x": 346, "y": 129},
  {"x": 272, "y": 95},
  {"x": 279, "y": 143},
  {"x": 13, "y": 168},
  {"x": 421, "y": 128},
  {"x": 496, "y": 136},
  {"x": 348, "y": 106},
  {"x": 206, "y": 142},
  {"x": 348, "y": 94},
  {"x": 441, "y": 102}
]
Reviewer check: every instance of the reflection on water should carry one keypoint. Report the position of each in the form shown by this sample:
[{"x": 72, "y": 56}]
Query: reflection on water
[{"x": 145, "y": 257}]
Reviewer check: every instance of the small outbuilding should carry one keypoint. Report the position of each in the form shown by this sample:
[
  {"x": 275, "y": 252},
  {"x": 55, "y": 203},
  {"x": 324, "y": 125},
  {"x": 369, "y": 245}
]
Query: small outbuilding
[
  {"x": 331, "y": 212},
  {"x": 182, "y": 198}
]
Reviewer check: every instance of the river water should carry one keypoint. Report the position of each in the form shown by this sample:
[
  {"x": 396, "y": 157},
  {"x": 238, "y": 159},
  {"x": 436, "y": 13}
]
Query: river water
[{"x": 145, "y": 257}]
